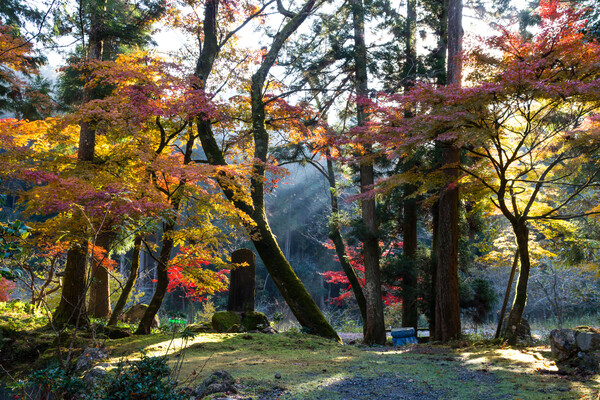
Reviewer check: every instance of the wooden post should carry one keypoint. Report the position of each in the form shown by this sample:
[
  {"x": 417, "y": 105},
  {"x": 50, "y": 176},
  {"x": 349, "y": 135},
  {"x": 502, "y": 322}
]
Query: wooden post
[{"x": 242, "y": 281}]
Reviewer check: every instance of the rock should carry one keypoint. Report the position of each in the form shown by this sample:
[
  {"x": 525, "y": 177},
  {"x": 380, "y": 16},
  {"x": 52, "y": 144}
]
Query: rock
[
  {"x": 270, "y": 330},
  {"x": 97, "y": 373},
  {"x": 254, "y": 320},
  {"x": 218, "y": 382},
  {"x": 205, "y": 327},
  {"x": 587, "y": 341},
  {"x": 224, "y": 321},
  {"x": 563, "y": 344},
  {"x": 113, "y": 332},
  {"x": 135, "y": 314},
  {"x": 277, "y": 375},
  {"x": 89, "y": 357}
]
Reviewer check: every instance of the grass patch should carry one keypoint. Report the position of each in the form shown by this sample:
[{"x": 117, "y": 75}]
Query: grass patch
[{"x": 297, "y": 366}]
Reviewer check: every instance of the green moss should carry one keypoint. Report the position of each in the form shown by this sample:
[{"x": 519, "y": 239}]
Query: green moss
[
  {"x": 224, "y": 321},
  {"x": 254, "y": 320}
]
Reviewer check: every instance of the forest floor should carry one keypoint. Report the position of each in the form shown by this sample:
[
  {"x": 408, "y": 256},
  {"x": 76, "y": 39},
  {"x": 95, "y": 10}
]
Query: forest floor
[{"x": 298, "y": 366}]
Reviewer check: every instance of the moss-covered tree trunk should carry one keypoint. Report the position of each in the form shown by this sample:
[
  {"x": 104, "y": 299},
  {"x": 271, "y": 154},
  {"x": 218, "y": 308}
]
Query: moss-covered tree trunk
[
  {"x": 513, "y": 324},
  {"x": 133, "y": 273},
  {"x": 162, "y": 279},
  {"x": 99, "y": 298}
]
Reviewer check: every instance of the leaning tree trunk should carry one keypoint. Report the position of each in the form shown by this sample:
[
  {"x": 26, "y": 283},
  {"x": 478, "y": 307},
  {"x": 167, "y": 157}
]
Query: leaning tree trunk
[
  {"x": 291, "y": 288},
  {"x": 162, "y": 280},
  {"x": 511, "y": 333},
  {"x": 99, "y": 299},
  {"x": 133, "y": 273}
]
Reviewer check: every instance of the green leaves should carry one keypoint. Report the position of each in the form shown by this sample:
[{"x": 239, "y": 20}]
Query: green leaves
[{"x": 11, "y": 236}]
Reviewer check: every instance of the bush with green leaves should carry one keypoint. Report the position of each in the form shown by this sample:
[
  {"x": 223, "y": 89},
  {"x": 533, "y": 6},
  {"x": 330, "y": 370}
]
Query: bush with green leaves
[{"x": 148, "y": 378}]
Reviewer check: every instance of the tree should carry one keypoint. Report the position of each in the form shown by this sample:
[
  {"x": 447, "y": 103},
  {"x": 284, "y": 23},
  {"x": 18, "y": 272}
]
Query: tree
[
  {"x": 447, "y": 311},
  {"x": 529, "y": 126},
  {"x": 250, "y": 200},
  {"x": 375, "y": 328}
]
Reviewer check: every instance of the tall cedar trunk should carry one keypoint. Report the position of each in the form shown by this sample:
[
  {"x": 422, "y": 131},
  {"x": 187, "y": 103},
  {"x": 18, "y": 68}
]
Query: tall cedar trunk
[
  {"x": 335, "y": 235},
  {"x": 441, "y": 79},
  {"x": 516, "y": 313},
  {"x": 71, "y": 308},
  {"x": 433, "y": 266},
  {"x": 133, "y": 273},
  {"x": 447, "y": 314},
  {"x": 410, "y": 313},
  {"x": 99, "y": 299},
  {"x": 375, "y": 329},
  {"x": 293, "y": 291},
  {"x": 162, "y": 279}
]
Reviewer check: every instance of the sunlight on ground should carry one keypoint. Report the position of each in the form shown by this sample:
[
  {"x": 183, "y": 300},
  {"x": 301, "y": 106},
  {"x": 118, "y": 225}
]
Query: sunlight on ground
[
  {"x": 529, "y": 360},
  {"x": 310, "y": 385}
]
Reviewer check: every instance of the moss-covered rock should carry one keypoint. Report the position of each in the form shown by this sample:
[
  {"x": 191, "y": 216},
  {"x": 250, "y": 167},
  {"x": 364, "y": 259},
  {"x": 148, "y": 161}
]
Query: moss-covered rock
[
  {"x": 255, "y": 321},
  {"x": 223, "y": 321},
  {"x": 205, "y": 327}
]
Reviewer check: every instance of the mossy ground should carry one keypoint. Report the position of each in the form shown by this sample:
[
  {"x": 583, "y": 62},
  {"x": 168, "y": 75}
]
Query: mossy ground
[{"x": 315, "y": 368}]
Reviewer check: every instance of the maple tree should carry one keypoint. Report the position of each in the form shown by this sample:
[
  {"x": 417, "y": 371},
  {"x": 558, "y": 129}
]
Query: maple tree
[{"x": 527, "y": 120}]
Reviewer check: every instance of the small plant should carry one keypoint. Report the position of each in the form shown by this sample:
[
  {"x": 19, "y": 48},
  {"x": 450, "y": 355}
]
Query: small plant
[{"x": 147, "y": 378}]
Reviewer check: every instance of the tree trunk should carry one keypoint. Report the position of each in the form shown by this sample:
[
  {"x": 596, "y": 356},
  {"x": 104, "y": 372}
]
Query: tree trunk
[
  {"x": 410, "y": 312},
  {"x": 516, "y": 313},
  {"x": 162, "y": 280},
  {"x": 335, "y": 235},
  {"x": 507, "y": 294},
  {"x": 447, "y": 316},
  {"x": 71, "y": 309},
  {"x": 99, "y": 299},
  {"x": 375, "y": 329},
  {"x": 133, "y": 273},
  {"x": 291, "y": 288}
]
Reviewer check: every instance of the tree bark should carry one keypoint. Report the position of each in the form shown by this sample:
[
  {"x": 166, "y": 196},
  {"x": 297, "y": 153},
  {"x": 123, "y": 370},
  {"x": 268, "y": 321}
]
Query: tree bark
[
  {"x": 162, "y": 280},
  {"x": 335, "y": 234},
  {"x": 511, "y": 334},
  {"x": 410, "y": 312},
  {"x": 99, "y": 299},
  {"x": 71, "y": 309},
  {"x": 133, "y": 273},
  {"x": 301, "y": 304},
  {"x": 375, "y": 329},
  {"x": 447, "y": 314},
  {"x": 507, "y": 294}
]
